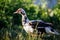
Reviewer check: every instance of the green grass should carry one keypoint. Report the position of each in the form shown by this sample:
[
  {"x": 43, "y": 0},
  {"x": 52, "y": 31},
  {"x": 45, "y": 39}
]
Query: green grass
[{"x": 20, "y": 34}]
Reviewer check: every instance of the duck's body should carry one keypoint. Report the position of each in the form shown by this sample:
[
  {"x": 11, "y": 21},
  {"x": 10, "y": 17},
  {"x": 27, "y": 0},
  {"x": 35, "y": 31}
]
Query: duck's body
[{"x": 39, "y": 25}]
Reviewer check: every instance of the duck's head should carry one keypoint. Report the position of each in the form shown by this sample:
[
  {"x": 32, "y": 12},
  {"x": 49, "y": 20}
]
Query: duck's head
[{"x": 20, "y": 11}]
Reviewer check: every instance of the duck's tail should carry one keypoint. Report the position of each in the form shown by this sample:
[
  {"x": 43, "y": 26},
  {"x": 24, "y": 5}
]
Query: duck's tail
[{"x": 51, "y": 31}]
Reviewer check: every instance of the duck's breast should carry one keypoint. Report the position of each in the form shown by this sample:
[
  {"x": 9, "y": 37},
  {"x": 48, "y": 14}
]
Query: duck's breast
[{"x": 28, "y": 28}]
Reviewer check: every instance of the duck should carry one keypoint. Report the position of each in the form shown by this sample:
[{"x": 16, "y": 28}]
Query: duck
[{"x": 30, "y": 25}]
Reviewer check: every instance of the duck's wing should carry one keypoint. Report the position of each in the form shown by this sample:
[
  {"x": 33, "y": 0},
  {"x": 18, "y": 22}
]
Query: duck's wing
[
  {"x": 39, "y": 23},
  {"x": 33, "y": 23},
  {"x": 45, "y": 23}
]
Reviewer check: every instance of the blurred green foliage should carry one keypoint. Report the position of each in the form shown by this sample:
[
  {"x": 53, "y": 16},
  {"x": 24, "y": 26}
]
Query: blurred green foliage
[{"x": 11, "y": 27}]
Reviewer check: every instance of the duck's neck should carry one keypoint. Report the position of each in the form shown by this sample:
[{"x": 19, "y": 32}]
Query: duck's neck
[{"x": 24, "y": 20}]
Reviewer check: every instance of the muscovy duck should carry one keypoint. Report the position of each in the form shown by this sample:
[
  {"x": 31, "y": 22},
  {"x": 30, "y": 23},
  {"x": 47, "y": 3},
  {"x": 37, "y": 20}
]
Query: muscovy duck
[{"x": 39, "y": 25}]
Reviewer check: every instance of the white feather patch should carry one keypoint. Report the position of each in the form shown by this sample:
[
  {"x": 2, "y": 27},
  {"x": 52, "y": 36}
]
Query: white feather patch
[{"x": 28, "y": 28}]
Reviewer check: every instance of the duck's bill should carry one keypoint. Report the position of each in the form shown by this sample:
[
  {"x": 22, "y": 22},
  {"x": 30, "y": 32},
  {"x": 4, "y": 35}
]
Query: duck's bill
[{"x": 15, "y": 12}]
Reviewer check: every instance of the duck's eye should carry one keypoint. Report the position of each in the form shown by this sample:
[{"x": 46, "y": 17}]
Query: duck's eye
[{"x": 22, "y": 13}]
